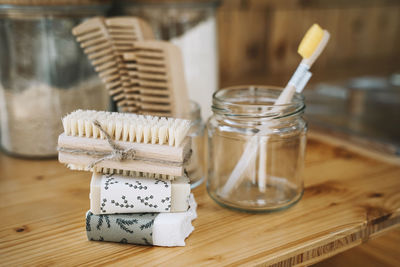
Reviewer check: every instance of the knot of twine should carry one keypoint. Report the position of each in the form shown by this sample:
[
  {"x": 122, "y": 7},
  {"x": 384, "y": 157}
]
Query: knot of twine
[{"x": 117, "y": 153}]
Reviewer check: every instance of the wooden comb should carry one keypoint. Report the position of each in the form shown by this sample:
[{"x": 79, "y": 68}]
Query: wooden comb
[
  {"x": 123, "y": 32},
  {"x": 93, "y": 37},
  {"x": 104, "y": 41},
  {"x": 157, "y": 78}
]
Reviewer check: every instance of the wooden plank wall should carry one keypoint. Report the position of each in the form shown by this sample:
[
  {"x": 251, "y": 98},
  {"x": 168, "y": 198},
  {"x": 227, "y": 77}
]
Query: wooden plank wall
[{"x": 258, "y": 39}]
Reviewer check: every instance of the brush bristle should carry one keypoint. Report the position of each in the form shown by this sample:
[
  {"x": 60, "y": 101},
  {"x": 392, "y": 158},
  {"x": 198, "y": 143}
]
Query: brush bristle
[
  {"x": 310, "y": 41},
  {"x": 135, "y": 174},
  {"x": 127, "y": 127}
]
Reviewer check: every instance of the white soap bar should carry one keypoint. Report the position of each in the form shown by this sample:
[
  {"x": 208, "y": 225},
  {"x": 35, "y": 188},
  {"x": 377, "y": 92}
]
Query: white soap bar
[{"x": 113, "y": 194}]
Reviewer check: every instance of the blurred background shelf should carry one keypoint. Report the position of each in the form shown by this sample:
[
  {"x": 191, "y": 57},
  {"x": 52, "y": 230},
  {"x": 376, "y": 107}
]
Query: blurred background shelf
[
  {"x": 258, "y": 45},
  {"x": 258, "y": 39}
]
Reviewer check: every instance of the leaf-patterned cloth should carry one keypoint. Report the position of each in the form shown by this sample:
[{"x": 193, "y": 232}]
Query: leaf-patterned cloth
[{"x": 136, "y": 228}]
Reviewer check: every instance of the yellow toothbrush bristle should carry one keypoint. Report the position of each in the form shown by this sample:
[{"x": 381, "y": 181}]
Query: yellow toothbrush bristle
[{"x": 310, "y": 41}]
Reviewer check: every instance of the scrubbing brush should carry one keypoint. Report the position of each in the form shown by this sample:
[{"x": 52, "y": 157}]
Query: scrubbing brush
[
  {"x": 310, "y": 48},
  {"x": 117, "y": 142}
]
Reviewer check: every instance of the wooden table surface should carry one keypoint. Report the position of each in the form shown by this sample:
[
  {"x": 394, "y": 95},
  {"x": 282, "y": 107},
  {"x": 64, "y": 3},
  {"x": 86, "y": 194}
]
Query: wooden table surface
[{"x": 348, "y": 199}]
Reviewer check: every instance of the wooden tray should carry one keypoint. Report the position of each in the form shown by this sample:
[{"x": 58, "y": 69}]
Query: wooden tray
[{"x": 348, "y": 199}]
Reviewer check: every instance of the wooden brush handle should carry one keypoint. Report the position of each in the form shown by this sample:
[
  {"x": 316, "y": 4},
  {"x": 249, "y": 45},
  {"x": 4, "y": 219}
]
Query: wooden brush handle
[
  {"x": 126, "y": 165},
  {"x": 145, "y": 151},
  {"x": 152, "y": 158}
]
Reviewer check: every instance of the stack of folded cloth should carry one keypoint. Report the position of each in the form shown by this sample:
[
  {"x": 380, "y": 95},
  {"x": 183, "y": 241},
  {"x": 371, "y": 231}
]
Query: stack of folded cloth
[{"x": 139, "y": 193}]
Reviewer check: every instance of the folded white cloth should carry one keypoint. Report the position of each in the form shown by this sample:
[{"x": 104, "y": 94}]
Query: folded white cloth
[{"x": 171, "y": 229}]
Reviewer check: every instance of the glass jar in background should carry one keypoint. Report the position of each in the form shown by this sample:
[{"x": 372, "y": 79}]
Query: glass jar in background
[
  {"x": 192, "y": 26},
  {"x": 195, "y": 168},
  {"x": 44, "y": 74},
  {"x": 255, "y": 150}
]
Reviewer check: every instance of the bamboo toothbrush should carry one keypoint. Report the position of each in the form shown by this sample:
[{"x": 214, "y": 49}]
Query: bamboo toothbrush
[
  {"x": 157, "y": 79},
  {"x": 310, "y": 48},
  {"x": 124, "y": 143}
]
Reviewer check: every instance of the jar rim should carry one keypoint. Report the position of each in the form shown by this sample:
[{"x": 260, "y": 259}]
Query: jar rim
[{"x": 256, "y": 101}]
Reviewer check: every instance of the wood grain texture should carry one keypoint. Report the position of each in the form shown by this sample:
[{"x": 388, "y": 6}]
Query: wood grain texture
[
  {"x": 382, "y": 251},
  {"x": 348, "y": 199}
]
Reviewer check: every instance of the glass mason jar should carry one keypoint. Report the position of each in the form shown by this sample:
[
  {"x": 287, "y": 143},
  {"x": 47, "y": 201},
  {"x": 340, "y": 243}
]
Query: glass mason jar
[
  {"x": 192, "y": 26},
  {"x": 255, "y": 149},
  {"x": 195, "y": 169},
  {"x": 44, "y": 75}
]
